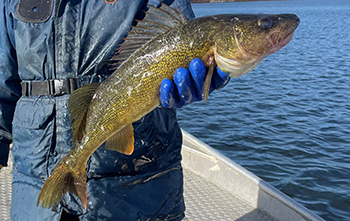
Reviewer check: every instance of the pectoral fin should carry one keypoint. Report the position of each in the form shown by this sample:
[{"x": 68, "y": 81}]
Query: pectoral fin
[
  {"x": 123, "y": 141},
  {"x": 207, "y": 82}
]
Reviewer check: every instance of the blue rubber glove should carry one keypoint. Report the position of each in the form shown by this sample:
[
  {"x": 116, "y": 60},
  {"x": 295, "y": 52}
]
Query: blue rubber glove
[{"x": 188, "y": 85}]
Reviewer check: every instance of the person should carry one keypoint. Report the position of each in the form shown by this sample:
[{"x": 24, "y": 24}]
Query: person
[{"x": 48, "y": 49}]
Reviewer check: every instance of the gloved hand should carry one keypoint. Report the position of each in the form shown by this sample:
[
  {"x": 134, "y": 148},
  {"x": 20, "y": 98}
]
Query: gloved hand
[{"x": 188, "y": 85}]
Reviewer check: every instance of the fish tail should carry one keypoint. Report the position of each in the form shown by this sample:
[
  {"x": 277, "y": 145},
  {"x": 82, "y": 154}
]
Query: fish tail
[{"x": 63, "y": 179}]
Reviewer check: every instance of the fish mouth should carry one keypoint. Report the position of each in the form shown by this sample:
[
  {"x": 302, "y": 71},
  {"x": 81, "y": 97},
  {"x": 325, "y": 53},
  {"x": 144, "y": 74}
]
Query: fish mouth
[
  {"x": 279, "y": 44},
  {"x": 278, "y": 40}
]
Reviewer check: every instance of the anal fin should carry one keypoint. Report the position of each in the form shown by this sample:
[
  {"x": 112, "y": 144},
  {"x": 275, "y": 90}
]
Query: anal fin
[{"x": 123, "y": 141}]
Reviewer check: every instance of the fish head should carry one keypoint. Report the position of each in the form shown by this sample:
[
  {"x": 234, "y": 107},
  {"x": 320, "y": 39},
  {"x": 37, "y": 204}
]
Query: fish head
[{"x": 247, "y": 39}]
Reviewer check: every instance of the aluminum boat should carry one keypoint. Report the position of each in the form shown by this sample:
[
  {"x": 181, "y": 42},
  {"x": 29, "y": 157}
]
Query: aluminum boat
[{"x": 215, "y": 188}]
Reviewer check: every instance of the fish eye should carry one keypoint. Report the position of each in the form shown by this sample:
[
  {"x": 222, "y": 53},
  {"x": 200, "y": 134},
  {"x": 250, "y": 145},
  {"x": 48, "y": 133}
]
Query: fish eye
[{"x": 265, "y": 23}]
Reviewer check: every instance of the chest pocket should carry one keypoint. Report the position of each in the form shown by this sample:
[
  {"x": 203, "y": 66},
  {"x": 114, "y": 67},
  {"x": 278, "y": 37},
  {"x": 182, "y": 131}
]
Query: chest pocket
[{"x": 34, "y": 11}]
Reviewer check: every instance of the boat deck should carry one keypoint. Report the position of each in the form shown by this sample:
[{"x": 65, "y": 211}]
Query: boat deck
[
  {"x": 213, "y": 190},
  {"x": 204, "y": 200}
]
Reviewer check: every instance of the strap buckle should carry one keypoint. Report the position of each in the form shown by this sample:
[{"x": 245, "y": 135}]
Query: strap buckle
[{"x": 54, "y": 87}]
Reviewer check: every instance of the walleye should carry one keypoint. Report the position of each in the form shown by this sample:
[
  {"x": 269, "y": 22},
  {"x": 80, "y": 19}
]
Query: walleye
[{"x": 159, "y": 44}]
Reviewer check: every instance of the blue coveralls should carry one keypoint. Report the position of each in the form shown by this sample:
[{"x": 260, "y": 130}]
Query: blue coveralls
[{"x": 72, "y": 39}]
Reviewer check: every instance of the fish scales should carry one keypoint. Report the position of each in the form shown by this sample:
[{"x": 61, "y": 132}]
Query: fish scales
[
  {"x": 235, "y": 43},
  {"x": 143, "y": 73}
]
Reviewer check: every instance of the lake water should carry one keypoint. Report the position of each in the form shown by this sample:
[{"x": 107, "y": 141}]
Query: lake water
[{"x": 288, "y": 121}]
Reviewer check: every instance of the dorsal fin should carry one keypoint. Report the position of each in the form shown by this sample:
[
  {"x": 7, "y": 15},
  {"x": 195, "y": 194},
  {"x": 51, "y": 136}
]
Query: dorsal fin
[{"x": 156, "y": 21}]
